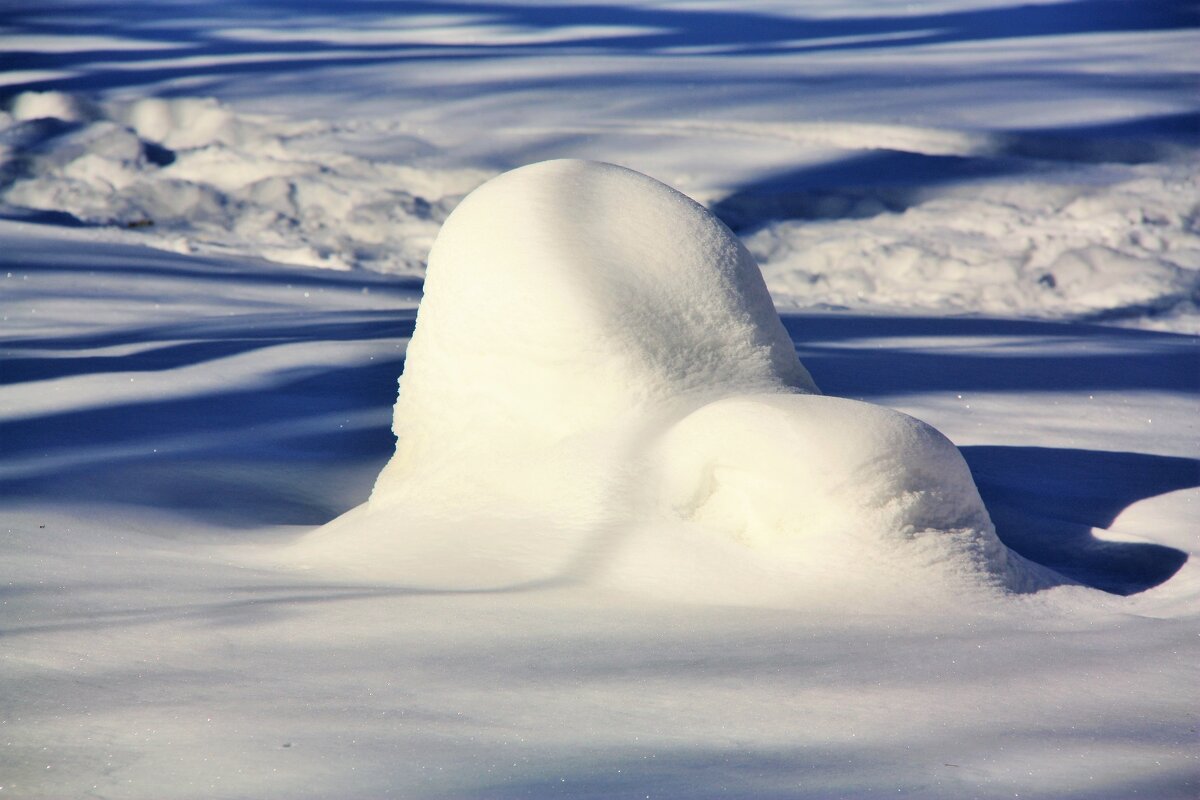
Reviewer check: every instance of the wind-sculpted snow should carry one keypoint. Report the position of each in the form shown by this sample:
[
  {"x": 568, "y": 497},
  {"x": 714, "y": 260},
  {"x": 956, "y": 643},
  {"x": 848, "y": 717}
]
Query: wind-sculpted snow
[{"x": 596, "y": 350}]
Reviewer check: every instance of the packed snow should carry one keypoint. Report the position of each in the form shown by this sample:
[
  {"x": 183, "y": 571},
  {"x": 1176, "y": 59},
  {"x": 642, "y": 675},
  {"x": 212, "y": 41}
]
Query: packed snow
[{"x": 617, "y": 544}]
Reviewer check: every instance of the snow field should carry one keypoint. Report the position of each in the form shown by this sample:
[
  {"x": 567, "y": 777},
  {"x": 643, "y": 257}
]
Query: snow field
[
  {"x": 955, "y": 204},
  {"x": 144, "y": 642}
]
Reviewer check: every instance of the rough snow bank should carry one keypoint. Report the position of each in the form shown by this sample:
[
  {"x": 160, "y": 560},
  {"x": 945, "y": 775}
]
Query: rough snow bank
[
  {"x": 1128, "y": 252},
  {"x": 597, "y": 370},
  {"x": 1116, "y": 242},
  {"x": 190, "y": 174}
]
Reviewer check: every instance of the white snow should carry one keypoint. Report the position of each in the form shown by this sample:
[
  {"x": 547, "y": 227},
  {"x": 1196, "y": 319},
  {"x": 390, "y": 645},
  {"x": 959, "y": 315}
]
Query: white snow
[
  {"x": 596, "y": 350},
  {"x": 570, "y": 297},
  {"x": 214, "y": 224}
]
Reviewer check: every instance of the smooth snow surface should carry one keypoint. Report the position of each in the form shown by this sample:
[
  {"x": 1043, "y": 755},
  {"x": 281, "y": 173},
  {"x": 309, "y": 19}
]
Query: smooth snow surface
[
  {"x": 566, "y": 295},
  {"x": 596, "y": 350}
]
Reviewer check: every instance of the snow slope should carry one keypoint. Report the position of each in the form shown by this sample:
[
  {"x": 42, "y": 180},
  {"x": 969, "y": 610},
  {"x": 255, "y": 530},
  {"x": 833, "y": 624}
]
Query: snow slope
[{"x": 953, "y": 202}]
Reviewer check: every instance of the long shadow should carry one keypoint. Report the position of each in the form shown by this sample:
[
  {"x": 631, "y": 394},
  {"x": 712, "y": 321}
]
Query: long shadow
[
  {"x": 634, "y": 30},
  {"x": 213, "y": 340},
  {"x": 1046, "y": 501},
  {"x": 1119, "y": 359},
  {"x": 279, "y": 455},
  {"x": 135, "y": 262},
  {"x": 864, "y": 372},
  {"x": 856, "y": 187},
  {"x": 285, "y": 451}
]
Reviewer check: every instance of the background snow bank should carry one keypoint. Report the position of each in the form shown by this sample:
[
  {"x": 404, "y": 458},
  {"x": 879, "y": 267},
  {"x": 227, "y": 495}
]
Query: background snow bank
[
  {"x": 1120, "y": 244},
  {"x": 597, "y": 351},
  {"x": 1128, "y": 252},
  {"x": 191, "y": 174}
]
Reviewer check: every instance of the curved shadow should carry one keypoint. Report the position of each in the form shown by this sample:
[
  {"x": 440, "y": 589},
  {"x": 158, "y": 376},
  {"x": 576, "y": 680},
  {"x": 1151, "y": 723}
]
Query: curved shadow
[
  {"x": 1046, "y": 502},
  {"x": 865, "y": 184}
]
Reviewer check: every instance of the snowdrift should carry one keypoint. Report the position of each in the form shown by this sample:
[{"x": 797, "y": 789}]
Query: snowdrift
[{"x": 599, "y": 387}]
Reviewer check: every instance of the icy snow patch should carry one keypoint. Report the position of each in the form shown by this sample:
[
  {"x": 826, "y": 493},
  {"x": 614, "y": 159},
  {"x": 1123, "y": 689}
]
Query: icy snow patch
[
  {"x": 190, "y": 174},
  {"x": 599, "y": 382}
]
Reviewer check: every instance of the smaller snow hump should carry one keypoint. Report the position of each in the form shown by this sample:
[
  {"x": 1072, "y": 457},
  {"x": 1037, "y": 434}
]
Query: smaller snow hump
[{"x": 597, "y": 356}]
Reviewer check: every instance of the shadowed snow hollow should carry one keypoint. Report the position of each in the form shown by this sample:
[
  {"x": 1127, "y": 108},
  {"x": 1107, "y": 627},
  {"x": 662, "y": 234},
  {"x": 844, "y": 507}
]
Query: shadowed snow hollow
[{"x": 599, "y": 387}]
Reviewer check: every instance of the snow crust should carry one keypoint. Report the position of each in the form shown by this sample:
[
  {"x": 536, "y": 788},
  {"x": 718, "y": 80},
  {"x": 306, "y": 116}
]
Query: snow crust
[{"x": 593, "y": 347}]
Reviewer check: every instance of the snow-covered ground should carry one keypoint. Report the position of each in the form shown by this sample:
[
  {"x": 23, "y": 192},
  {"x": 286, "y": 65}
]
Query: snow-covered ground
[{"x": 215, "y": 223}]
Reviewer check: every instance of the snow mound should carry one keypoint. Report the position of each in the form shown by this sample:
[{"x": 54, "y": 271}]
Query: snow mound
[
  {"x": 598, "y": 385},
  {"x": 190, "y": 174},
  {"x": 568, "y": 296}
]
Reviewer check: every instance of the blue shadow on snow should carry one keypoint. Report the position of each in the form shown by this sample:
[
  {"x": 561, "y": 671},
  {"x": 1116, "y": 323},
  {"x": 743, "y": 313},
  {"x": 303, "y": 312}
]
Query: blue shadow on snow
[
  {"x": 195, "y": 32},
  {"x": 1046, "y": 501}
]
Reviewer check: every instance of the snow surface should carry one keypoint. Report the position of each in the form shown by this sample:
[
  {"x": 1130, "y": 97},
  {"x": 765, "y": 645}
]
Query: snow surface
[{"x": 980, "y": 214}]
